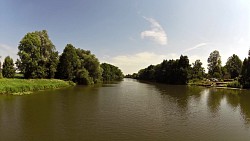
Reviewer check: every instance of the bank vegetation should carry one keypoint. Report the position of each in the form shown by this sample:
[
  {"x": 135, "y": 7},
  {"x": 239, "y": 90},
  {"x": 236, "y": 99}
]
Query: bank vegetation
[{"x": 40, "y": 64}]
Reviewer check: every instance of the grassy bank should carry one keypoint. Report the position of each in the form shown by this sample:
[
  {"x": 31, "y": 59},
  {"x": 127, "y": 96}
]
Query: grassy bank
[
  {"x": 25, "y": 86},
  {"x": 206, "y": 83}
]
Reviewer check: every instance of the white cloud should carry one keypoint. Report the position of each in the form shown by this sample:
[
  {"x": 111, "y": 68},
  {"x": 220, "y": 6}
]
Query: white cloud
[
  {"x": 156, "y": 33},
  {"x": 196, "y": 46},
  {"x": 133, "y": 63}
]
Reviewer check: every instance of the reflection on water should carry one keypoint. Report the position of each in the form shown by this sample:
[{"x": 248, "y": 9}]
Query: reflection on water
[
  {"x": 235, "y": 98},
  {"x": 128, "y": 110}
]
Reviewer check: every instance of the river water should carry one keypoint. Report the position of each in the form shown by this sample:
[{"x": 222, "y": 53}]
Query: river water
[{"x": 127, "y": 110}]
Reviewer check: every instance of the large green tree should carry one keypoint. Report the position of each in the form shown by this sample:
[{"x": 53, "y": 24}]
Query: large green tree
[
  {"x": 214, "y": 64},
  {"x": 197, "y": 71},
  {"x": 91, "y": 64},
  {"x": 68, "y": 63},
  {"x": 38, "y": 56},
  {"x": 8, "y": 68},
  {"x": 111, "y": 72},
  {"x": 245, "y": 72},
  {"x": 234, "y": 65},
  {"x": 79, "y": 66}
]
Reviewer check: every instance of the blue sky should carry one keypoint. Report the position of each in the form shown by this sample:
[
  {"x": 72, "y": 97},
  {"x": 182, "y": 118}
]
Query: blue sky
[{"x": 132, "y": 34}]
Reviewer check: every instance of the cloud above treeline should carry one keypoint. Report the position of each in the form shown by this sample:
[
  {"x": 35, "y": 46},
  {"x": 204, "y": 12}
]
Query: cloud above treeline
[{"x": 156, "y": 33}]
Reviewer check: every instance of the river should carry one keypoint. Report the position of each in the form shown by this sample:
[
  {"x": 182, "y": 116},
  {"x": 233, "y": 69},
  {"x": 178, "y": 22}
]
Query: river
[{"x": 127, "y": 110}]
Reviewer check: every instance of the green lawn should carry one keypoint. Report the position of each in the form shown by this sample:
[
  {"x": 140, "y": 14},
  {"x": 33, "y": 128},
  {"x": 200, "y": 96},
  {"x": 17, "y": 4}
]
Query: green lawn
[{"x": 25, "y": 86}]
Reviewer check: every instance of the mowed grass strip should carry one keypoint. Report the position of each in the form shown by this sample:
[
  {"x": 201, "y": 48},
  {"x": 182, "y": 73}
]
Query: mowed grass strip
[{"x": 25, "y": 86}]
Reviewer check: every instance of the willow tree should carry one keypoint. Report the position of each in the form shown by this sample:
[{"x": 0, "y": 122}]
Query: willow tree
[{"x": 38, "y": 55}]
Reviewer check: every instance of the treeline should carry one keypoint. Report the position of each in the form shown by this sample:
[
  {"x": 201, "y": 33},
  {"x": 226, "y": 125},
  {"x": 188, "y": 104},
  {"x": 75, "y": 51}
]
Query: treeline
[
  {"x": 169, "y": 71},
  {"x": 39, "y": 59},
  {"x": 180, "y": 71},
  {"x": 111, "y": 72}
]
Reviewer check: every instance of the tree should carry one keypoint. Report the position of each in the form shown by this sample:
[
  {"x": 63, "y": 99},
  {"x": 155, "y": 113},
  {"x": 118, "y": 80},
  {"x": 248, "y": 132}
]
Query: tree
[
  {"x": 169, "y": 71},
  {"x": 8, "y": 68},
  {"x": 147, "y": 73},
  {"x": 197, "y": 71},
  {"x": 91, "y": 64},
  {"x": 111, "y": 72},
  {"x": 234, "y": 65},
  {"x": 184, "y": 67},
  {"x": 68, "y": 63},
  {"x": 82, "y": 77},
  {"x": 79, "y": 66},
  {"x": 225, "y": 73},
  {"x": 38, "y": 56},
  {"x": 214, "y": 64},
  {"x": 245, "y": 72}
]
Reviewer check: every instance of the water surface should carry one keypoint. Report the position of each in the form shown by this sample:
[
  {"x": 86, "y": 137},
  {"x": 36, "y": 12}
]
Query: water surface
[{"x": 128, "y": 110}]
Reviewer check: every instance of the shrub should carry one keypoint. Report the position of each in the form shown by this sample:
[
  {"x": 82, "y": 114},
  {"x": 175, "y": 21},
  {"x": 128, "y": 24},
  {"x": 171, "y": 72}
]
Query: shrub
[{"x": 234, "y": 84}]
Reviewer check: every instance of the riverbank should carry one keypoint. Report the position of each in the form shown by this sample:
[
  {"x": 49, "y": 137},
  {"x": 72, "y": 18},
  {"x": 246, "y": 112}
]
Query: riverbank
[
  {"x": 226, "y": 85},
  {"x": 27, "y": 86}
]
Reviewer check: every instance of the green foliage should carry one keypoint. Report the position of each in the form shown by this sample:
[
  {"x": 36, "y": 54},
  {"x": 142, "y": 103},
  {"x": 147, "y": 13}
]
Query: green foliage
[
  {"x": 22, "y": 86},
  {"x": 68, "y": 63},
  {"x": 19, "y": 75},
  {"x": 8, "y": 70},
  {"x": 225, "y": 73},
  {"x": 197, "y": 71},
  {"x": 83, "y": 78},
  {"x": 234, "y": 84},
  {"x": 111, "y": 72},
  {"x": 214, "y": 64},
  {"x": 234, "y": 65},
  {"x": 245, "y": 73},
  {"x": 170, "y": 72},
  {"x": 79, "y": 66},
  {"x": 38, "y": 56},
  {"x": 90, "y": 63},
  {"x": 134, "y": 76}
]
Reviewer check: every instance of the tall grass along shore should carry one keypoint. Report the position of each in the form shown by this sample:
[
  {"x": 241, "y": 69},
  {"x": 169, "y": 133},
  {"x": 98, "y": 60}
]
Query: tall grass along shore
[{"x": 26, "y": 86}]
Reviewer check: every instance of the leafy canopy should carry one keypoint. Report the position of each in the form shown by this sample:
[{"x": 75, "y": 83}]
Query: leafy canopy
[
  {"x": 38, "y": 56},
  {"x": 8, "y": 68}
]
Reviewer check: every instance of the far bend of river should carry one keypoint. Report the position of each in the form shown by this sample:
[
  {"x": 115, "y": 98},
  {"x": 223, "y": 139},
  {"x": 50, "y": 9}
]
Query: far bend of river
[{"x": 127, "y": 111}]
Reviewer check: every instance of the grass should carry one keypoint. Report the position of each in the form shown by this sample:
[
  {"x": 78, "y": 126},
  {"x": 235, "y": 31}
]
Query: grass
[
  {"x": 198, "y": 82},
  {"x": 234, "y": 84},
  {"x": 26, "y": 86}
]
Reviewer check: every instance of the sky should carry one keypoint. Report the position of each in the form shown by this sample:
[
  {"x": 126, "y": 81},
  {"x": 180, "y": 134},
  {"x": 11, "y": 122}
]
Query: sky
[{"x": 132, "y": 34}]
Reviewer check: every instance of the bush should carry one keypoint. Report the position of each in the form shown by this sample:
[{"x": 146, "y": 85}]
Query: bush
[
  {"x": 234, "y": 84},
  {"x": 82, "y": 77}
]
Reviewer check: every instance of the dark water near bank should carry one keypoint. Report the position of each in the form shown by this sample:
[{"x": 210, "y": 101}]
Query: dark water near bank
[{"x": 128, "y": 110}]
